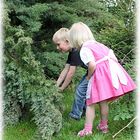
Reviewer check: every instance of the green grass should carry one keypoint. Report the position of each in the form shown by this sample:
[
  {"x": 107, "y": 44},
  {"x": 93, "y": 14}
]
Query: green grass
[
  {"x": 71, "y": 127},
  {"x": 25, "y": 130}
]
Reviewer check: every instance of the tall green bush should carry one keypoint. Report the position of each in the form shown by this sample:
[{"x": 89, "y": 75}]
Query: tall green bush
[{"x": 25, "y": 83}]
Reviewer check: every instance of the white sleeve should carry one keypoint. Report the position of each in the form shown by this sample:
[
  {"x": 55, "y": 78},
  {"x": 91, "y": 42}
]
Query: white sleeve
[{"x": 86, "y": 55}]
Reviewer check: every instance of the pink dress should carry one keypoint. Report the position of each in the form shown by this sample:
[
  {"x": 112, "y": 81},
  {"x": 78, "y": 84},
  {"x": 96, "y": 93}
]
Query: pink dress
[{"x": 109, "y": 80}]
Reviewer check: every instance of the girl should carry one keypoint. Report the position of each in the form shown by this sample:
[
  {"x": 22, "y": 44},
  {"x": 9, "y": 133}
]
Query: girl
[{"x": 107, "y": 78}]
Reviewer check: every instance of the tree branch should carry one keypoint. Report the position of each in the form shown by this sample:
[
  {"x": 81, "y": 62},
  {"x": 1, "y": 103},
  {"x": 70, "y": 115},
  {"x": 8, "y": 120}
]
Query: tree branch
[{"x": 123, "y": 128}]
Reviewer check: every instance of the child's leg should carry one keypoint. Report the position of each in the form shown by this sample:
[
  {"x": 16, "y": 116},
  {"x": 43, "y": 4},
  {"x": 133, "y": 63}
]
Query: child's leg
[
  {"x": 90, "y": 115},
  {"x": 104, "y": 109},
  {"x": 79, "y": 100}
]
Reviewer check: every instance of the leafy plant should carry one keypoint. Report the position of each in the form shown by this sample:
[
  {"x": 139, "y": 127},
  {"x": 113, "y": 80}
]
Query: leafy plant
[{"x": 25, "y": 83}]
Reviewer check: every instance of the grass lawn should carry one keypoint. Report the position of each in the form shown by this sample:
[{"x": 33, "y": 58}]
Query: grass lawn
[
  {"x": 22, "y": 131},
  {"x": 25, "y": 130}
]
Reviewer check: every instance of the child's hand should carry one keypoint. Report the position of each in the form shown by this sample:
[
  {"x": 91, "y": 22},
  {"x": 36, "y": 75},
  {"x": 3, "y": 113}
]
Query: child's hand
[
  {"x": 87, "y": 78},
  {"x": 60, "y": 89}
]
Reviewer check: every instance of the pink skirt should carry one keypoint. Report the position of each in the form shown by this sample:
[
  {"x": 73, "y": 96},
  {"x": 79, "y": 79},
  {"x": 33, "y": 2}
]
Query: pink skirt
[{"x": 101, "y": 87}]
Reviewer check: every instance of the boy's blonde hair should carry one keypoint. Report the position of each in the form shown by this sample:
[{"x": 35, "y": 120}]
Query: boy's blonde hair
[
  {"x": 79, "y": 33},
  {"x": 61, "y": 34}
]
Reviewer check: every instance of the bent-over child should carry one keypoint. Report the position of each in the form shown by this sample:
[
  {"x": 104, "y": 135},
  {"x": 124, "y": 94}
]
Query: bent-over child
[
  {"x": 60, "y": 39},
  {"x": 108, "y": 80}
]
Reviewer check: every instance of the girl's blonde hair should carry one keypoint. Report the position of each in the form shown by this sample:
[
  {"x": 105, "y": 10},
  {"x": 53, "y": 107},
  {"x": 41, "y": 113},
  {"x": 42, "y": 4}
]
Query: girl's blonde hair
[
  {"x": 61, "y": 34},
  {"x": 79, "y": 33}
]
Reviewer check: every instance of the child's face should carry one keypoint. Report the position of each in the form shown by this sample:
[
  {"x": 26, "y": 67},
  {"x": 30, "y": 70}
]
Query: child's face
[{"x": 63, "y": 46}]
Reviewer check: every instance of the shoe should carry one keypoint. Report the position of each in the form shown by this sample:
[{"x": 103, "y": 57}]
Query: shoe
[
  {"x": 103, "y": 128},
  {"x": 84, "y": 132},
  {"x": 72, "y": 116}
]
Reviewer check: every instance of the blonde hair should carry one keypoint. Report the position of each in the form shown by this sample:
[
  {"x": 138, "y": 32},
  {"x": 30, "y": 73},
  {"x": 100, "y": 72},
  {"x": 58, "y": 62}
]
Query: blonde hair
[
  {"x": 79, "y": 33},
  {"x": 61, "y": 34}
]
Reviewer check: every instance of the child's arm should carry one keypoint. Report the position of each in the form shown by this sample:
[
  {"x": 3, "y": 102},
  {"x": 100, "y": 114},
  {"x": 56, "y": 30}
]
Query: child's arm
[
  {"x": 68, "y": 77},
  {"x": 63, "y": 75},
  {"x": 91, "y": 68},
  {"x": 89, "y": 60}
]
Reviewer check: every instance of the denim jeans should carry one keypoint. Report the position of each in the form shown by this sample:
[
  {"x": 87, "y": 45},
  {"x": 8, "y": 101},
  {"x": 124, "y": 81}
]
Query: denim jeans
[{"x": 79, "y": 100}]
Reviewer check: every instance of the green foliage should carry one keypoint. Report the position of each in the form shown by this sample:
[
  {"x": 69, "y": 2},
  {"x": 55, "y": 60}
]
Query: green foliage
[
  {"x": 25, "y": 83},
  {"x": 46, "y": 108},
  {"x": 12, "y": 90},
  {"x": 120, "y": 37},
  {"x": 31, "y": 16},
  {"x": 120, "y": 40},
  {"x": 122, "y": 109},
  {"x": 52, "y": 63},
  {"x": 125, "y": 10}
]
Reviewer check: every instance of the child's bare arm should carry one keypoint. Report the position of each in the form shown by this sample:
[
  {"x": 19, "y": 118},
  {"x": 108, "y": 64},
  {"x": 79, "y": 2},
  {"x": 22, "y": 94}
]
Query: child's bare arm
[
  {"x": 91, "y": 68},
  {"x": 63, "y": 75},
  {"x": 68, "y": 77}
]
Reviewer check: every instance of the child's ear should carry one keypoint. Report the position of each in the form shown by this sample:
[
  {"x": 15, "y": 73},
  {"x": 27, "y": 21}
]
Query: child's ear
[{"x": 67, "y": 41}]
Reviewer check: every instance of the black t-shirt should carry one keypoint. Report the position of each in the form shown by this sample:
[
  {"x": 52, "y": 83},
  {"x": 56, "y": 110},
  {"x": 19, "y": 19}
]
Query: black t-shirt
[{"x": 74, "y": 58}]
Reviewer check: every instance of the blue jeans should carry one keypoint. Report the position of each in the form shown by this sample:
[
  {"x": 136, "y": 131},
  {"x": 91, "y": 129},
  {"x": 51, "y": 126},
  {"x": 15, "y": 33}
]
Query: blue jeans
[{"x": 79, "y": 100}]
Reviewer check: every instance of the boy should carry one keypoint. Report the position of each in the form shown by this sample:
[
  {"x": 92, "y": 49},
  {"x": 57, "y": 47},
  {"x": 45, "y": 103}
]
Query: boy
[{"x": 60, "y": 39}]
